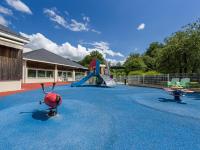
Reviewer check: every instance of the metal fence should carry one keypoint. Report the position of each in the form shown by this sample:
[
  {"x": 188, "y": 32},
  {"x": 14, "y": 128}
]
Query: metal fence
[
  {"x": 157, "y": 80},
  {"x": 119, "y": 79}
]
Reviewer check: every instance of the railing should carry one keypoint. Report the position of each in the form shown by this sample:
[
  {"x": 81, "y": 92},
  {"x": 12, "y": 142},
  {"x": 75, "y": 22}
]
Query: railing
[
  {"x": 157, "y": 80},
  {"x": 148, "y": 80},
  {"x": 120, "y": 79}
]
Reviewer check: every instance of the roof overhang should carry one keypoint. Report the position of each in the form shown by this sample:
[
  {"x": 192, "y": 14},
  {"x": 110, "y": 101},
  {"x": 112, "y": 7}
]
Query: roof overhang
[
  {"x": 12, "y": 41},
  {"x": 53, "y": 63}
]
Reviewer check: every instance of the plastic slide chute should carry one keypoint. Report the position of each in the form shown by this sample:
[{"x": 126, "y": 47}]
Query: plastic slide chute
[{"x": 101, "y": 80}]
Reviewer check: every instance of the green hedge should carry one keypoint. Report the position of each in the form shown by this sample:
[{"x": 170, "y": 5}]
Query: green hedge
[
  {"x": 152, "y": 73},
  {"x": 140, "y": 72}
]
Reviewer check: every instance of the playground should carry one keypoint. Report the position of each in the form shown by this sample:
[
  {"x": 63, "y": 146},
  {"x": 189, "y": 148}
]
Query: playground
[
  {"x": 99, "y": 75},
  {"x": 101, "y": 115},
  {"x": 100, "y": 118}
]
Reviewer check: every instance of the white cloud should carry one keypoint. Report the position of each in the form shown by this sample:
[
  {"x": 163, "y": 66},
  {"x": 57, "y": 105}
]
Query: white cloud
[
  {"x": 136, "y": 50},
  {"x": 3, "y": 21},
  {"x": 95, "y": 31},
  {"x": 53, "y": 16},
  {"x": 38, "y": 41},
  {"x": 78, "y": 26},
  {"x": 5, "y": 11},
  {"x": 104, "y": 49},
  {"x": 141, "y": 26},
  {"x": 114, "y": 62},
  {"x": 19, "y": 5},
  {"x": 87, "y": 19},
  {"x": 71, "y": 24}
]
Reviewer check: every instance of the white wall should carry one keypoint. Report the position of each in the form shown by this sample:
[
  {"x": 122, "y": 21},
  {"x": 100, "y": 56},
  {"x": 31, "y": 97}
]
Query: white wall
[
  {"x": 39, "y": 80},
  {"x": 10, "y": 86},
  {"x": 56, "y": 74},
  {"x": 70, "y": 79},
  {"x": 73, "y": 75}
]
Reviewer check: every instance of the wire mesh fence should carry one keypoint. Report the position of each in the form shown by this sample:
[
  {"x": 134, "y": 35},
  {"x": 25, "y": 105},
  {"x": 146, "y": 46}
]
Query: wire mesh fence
[
  {"x": 158, "y": 80},
  {"x": 120, "y": 79},
  {"x": 151, "y": 80},
  {"x": 148, "y": 80}
]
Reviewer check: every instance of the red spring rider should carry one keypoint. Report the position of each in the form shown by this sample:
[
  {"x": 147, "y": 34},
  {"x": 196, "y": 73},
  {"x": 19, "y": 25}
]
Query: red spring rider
[{"x": 52, "y": 100}]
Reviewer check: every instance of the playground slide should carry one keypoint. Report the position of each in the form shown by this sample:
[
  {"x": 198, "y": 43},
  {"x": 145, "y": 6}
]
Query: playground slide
[
  {"x": 108, "y": 81},
  {"x": 83, "y": 80},
  {"x": 102, "y": 80}
]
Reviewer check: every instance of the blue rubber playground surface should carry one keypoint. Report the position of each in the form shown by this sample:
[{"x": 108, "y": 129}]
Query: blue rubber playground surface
[{"x": 93, "y": 118}]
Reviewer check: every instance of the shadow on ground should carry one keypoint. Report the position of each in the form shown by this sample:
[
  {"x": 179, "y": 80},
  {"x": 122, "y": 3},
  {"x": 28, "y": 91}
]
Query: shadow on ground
[
  {"x": 170, "y": 100},
  {"x": 99, "y": 86},
  {"x": 194, "y": 96},
  {"x": 41, "y": 115}
]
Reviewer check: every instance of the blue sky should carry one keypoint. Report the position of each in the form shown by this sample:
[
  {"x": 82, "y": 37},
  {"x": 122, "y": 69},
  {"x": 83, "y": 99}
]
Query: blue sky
[{"x": 110, "y": 26}]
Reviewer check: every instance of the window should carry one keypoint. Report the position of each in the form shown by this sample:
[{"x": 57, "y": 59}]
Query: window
[
  {"x": 79, "y": 74},
  {"x": 49, "y": 74},
  {"x": 69, "y": 74},
  {"x": 64, "y": 74},
  {"x": 60, "y": 74},
  {"x": 31, "y": 73},
  {"x": 41, "y": 74}
]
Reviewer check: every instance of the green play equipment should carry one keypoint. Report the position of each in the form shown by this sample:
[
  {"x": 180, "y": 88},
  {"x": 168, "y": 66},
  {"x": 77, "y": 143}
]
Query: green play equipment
[
  {"x": 173, "y": 82},
  {"x": 184, "y": 82}
]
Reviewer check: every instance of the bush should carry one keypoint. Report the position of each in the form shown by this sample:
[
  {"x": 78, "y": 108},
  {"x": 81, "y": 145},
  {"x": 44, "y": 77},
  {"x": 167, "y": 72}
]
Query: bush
[
  {"x": 120, "y": 74},
  {"x": 152, "y": 73},
  {"x": 139, "y": 72}
]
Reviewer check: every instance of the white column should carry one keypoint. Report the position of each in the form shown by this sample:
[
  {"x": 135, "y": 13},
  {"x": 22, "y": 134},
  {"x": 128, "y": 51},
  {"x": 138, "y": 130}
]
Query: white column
[
  {"x": 56, "y": 74},
  {"x": 73, "y": 75},
  {"x": 24, "y": 72}
]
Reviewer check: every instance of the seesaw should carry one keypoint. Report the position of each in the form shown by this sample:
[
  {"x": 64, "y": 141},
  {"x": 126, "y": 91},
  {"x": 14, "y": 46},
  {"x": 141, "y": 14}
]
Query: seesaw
[
  {"x": 178, "y": 92},
  {"x": 51, "y": 99}
]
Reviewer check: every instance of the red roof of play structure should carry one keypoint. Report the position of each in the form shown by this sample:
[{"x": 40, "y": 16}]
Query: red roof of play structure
[{"x": 92, "y": 65}]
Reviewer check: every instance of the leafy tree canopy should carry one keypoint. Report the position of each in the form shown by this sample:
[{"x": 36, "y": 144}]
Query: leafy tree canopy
[
  {"x": 93, "y": 55},
  {"x": 134, "y": 62},
  {"x": 153, "y": 49}
]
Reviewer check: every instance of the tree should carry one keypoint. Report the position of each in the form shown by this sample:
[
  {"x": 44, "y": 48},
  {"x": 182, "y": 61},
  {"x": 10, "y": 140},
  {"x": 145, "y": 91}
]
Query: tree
[
  {"x": 150, "y": 62},
  {"x": 93, "y": 55},
  {"x": 151, "y": 54},
  {"x": 134, "y": 62},
  {"x": 119, "y": 64},
  {"x": 153, "y": 49},
  {"x": 181, "y": 52}
]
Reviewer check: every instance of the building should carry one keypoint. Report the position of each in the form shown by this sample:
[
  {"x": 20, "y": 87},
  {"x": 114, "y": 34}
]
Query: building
[
  {"x": 11, "y": 49},
  {"x": 38, "y": 66},
  {"x": 44, "y": 66}
]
